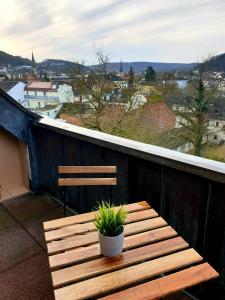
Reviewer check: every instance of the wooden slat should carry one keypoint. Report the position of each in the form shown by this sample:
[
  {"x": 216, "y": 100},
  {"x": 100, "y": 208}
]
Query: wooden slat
[
  {"x": 86, "y": 169},
  {"x": 167, "y": 285},
  {"x": 82, "y": 228},
  {"x": 103, "y": 265},
  {"x": 144, "y": 225},
  {"x": 87, "y": 217},
  {"x": 92, "y": 237},
  {"x": 86, "y": 181},
  {"x": 121, "y": 278},
  {"x": 93, "y": 251}
]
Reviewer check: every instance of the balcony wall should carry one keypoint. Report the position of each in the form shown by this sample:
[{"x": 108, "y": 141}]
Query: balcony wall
[{"x": 188, "y": 191}]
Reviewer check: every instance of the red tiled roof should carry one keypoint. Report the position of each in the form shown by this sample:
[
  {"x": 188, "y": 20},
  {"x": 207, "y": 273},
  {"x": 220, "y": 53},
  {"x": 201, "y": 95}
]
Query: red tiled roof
[
  {"x": 36, "y": 85},
  {"x": 70, "y": 119},
  {"x": 160, "y": 115}
]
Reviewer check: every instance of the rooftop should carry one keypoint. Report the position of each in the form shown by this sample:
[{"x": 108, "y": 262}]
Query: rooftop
[
  {"x": 40, "y": 85},
  {"x": 7, "y": 85}
]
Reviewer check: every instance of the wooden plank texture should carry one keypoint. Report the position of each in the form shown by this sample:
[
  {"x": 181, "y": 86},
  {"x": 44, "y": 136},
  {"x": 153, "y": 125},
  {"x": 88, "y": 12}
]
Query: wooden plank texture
[
  {"x": 92, "y": 237},
  {"x": 93, "y": 251},
  {"x": 121, "y": 278},
  {"x": 104, "y": 264},
  {"x": 87, "y": 217},
  {"x": 86, "y": 227},
  {"x": 167, "y": 285},
  {"x": 86, "y": 169},
  {"x": 86, "y": 181}
]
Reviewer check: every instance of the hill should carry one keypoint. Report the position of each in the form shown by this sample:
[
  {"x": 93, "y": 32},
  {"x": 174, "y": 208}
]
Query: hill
[
  {"x": 57, "y": 65},
  {"x": 8, "y": 59},
  {"x": 62, "y": 65},
  {"x": 140, "y": 67},
  {"x": 216, "y": 63}
]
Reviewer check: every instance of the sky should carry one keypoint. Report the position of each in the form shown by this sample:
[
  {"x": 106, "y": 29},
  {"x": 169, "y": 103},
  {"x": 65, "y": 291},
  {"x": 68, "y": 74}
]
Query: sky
[{"x": 131, "y": 30}]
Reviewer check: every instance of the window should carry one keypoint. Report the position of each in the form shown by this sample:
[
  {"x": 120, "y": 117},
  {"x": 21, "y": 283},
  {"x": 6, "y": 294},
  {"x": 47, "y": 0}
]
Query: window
[
  {"x": 217, "y": 124},
  {"x": 215, "y": 137},
  {"x": 44, "y": 93}
]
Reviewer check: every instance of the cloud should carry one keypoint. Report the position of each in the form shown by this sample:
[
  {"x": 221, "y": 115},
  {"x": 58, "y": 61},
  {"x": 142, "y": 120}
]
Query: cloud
[
  {"x": 33, "y": 16},
  {"x": 105, "y": 9},
  {"x": 132, "y": 29}
]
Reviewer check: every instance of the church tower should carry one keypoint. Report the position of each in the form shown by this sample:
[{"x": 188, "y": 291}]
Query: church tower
[
  {"x": 33, "y": 60},
  {"x": 121, "y": 66}
]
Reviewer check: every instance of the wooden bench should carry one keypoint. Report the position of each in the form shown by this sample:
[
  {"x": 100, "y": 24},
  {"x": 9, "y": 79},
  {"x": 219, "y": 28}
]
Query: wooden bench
[{"x": 151, "y": 248}]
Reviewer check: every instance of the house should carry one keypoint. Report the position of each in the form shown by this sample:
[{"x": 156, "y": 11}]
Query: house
[
  {"x": 122, "y": 84},
  {"x": 215, "y": 116},
  {"x": 149, "y": 90},
  {"x": 38, "y": 94},
  {"x": 65, "y": 93},
  {"x": 110, "y": 92},
  {"x": 3, "y": 74},
  {"x": 216, "y": 127},
  {"x": 138, "y": 99},
  {"x": 15, "y": 89},
  {"x": 160, "y": 116}
]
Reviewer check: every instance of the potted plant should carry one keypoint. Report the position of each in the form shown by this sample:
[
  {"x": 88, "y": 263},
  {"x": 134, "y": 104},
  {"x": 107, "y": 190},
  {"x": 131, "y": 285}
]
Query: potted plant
[{"x": 110, "y": 224}]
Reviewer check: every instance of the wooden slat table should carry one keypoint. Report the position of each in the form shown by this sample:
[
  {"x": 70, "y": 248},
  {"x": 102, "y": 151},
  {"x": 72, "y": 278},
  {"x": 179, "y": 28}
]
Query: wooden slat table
[{"x": 151, "y": 248}]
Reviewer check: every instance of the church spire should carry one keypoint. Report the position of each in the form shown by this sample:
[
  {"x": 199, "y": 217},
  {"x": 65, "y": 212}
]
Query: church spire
[
  {"x": 121, "y": 66},
  {"x": 33, "y": 60}
]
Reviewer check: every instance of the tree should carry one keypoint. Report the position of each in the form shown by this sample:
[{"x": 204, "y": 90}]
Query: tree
[
  {"x": 131, "y": 98},
  {"x": 121, "y": 67},
  {"x": 194, "y": 120},
  {"x": 150, "y": 74},
  {"x": 131, "y": 77},
  {"x": 95, "y": 85},
  {"x": 45, "y": 77}
]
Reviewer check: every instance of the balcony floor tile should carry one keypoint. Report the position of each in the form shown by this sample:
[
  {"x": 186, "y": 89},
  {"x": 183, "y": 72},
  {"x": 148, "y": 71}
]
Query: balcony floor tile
[
  {"x": 28, "y": 280},
  {"x": 29, "y": 206}
]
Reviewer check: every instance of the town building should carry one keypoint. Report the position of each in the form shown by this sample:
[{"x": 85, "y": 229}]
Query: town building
[
  {"x": 15, "y": 89},
  {"x": 38, "y": 94}
]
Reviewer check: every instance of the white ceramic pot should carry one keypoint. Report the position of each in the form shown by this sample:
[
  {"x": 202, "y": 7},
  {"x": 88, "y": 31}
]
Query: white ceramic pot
[{"x": 111, "y": 245}]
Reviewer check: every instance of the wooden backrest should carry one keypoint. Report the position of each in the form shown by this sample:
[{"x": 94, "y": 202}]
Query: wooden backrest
[{"x": 86, "y": 170}]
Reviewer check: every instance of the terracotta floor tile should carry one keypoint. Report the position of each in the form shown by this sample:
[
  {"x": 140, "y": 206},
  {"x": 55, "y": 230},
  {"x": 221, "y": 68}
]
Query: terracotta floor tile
[
  {"x": 29, "y": 280},
  {"x": 29, "y": 206},
  {"x": 6, "y": 220},
  {"x": 15, "y": 246},
  {"x": 24, "y": 268},
  {"x": 35, "y": 226}
]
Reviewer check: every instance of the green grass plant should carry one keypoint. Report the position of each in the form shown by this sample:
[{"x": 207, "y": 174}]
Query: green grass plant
[{"x": 109, "y": 220}]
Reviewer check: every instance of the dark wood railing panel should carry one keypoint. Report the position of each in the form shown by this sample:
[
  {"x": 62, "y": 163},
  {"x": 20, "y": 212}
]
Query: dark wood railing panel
[{"x": 192, "y": 203}]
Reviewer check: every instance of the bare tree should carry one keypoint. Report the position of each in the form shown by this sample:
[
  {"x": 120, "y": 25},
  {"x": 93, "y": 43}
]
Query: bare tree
[
  {"x": 93, "y": 85},
  {"x": 131, "y": 100}
]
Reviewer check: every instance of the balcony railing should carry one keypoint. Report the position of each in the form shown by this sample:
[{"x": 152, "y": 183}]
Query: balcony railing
[
  {"x": 36, "y": 97},
  {"x": 188, "y": 191}
]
